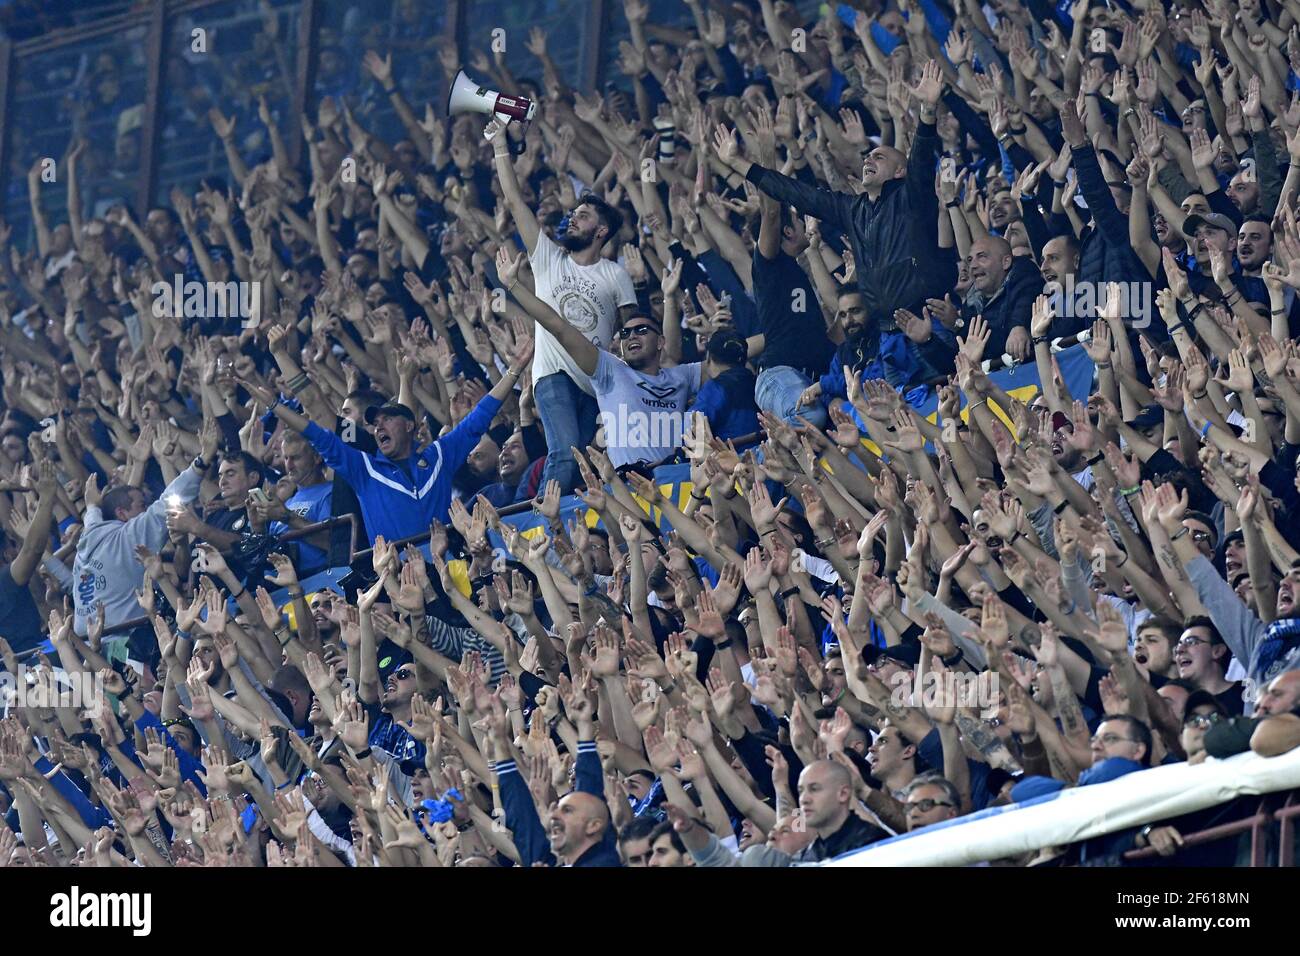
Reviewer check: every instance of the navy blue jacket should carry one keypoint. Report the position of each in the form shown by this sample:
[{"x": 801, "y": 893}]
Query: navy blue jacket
[{"x": 521, "y": 816}]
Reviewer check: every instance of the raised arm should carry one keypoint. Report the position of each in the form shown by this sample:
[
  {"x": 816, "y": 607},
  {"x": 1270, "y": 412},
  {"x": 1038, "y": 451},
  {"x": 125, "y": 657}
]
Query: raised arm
[
  {"x": 525, "y": 219},
  {"x": 584, "y": 352}
]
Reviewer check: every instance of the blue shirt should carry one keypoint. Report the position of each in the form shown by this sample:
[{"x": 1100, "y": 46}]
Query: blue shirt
[
  {"x": 399, "y": 499},
  {"x": 313, "y": 503}
]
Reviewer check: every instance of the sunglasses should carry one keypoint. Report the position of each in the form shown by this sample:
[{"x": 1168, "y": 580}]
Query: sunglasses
[
  {"x": 403, "y": 674},
  {"x": 622, "y": 334},
  {"x": 1203, "y": 721}
]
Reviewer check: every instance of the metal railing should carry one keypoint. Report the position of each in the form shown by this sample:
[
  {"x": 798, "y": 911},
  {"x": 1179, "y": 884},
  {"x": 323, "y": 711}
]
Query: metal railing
[{"x": 1259, "y": 825}]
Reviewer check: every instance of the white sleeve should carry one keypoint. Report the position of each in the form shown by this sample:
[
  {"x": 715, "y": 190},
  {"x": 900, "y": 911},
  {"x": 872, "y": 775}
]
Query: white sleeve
[
  {"x": 59, "y": 571},
  {"x": 543, "y": 256}
]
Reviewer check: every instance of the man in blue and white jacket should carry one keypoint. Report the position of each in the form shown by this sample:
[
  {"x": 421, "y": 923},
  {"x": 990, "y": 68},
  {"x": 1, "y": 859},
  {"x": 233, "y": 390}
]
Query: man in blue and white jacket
[{"x": 402, "y": 489}]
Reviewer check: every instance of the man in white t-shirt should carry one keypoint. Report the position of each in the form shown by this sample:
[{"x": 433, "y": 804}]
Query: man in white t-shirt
[
  {"x": 592, "y": 294},
  {"x": 643, "y": 406}
]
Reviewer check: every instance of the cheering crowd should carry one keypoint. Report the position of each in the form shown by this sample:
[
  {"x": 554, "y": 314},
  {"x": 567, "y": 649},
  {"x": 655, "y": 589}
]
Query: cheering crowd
[{"x": 762, "y": 256}]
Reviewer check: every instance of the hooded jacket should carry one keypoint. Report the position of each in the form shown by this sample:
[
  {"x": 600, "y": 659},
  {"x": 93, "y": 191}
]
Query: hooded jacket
[{"x": 106, "y": 571}]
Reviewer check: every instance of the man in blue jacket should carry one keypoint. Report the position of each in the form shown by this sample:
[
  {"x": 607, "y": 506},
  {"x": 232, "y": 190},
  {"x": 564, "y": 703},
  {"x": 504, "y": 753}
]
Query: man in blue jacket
[
  {"x": 401, "y": 488},
  {"x": 580, "y": 833}
]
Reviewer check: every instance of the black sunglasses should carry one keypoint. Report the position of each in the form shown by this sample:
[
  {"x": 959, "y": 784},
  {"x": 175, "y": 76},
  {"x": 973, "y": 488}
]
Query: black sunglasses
[{"x": 635, "y": 330}]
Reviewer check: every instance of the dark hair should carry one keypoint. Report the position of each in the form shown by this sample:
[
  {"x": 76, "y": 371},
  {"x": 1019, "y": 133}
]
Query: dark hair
[
  {"x": 667, "y": 828},
  {"x": 1200, "y": 620},
  {"x": 1168, "y": 627},
  {"x": 1206, "y": 520},
  {"x": 114, "y": 498},
  {"x": 1139, "y": 732},
  {"x": 247, "y": 461},
  {"x": 368, "y": 397},
  {"x": 639, "y": 829},
  {"x": 290, "y": 678},
  {"x": 726, "y": 347},
  {"x": 611, "y": 217}
]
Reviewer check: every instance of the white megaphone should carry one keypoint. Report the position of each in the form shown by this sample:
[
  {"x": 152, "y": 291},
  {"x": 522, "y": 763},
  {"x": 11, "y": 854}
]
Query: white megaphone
[{"x": 469, "y": 97}]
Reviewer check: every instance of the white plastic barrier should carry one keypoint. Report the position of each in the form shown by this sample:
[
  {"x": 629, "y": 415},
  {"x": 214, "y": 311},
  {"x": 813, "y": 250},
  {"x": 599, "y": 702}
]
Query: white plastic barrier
[{"x": 1160, "y": 793}]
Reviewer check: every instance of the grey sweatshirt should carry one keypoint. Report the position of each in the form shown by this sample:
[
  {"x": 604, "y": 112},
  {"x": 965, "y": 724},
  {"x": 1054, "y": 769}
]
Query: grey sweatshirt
[
  {"x": 106, "y": 571},
  {"x": 1242, "y": 631}
]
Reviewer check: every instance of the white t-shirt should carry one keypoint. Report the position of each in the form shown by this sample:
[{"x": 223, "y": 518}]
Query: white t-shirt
[{"x": 588, "y": 297}]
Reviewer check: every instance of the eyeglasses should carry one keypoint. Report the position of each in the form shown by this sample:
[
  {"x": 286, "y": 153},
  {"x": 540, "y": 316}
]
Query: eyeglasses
[
  {"x": 1191, "y": 640},
  {"x": 634, "y": 330},
  {"x": 1111, "y": 740},
  {"x": 1203, "y": 721},
  {"x": 926, "y": 805}
]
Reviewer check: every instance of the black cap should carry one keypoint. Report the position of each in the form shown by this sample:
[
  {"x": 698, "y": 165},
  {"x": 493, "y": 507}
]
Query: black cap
[
  {"x": 1149, "y": 417},
  {"x": 1201, "y": 698},
  {"x": 391, "y": 408}
]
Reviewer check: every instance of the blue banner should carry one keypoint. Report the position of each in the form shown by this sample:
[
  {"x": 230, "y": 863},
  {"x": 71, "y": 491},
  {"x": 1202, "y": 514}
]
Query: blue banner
[{"x": 1021, "y": 382}]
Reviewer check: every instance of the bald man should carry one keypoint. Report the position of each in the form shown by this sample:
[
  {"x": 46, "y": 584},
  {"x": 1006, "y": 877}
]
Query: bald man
[
  {"x": 579, "y": 823},
  {"x": 1279, "y": 731},
  {"x": 1003, "y": 290},
  {"x": 826, "y": 807},
  {"x": 827, "y": 800},
  {"x": 892, "y": 224},
  {"x": 579, "y": 831}
]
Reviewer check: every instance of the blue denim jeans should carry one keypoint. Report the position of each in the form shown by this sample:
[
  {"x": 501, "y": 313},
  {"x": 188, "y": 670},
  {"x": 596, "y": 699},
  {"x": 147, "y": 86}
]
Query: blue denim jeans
[
  {"x": 569, "y": 418},
  {"x": 777, "y": 391}
]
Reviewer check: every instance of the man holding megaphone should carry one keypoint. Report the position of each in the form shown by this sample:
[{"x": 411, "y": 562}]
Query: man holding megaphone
[{"x": 594, "y": 294}]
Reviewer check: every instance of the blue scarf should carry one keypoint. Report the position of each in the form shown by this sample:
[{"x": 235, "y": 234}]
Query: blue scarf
[
  {"x": 1108, "y": 770},
  {"x": 1281, "y": 637}
]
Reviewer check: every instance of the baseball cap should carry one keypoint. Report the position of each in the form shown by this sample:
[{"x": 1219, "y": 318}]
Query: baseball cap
[
  {"x": 1149, "y": 417},
  {"x": 1215, "y": 220},
  {"x": 1202, "y": 698},
  {"x": 389, "y": 408}
]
